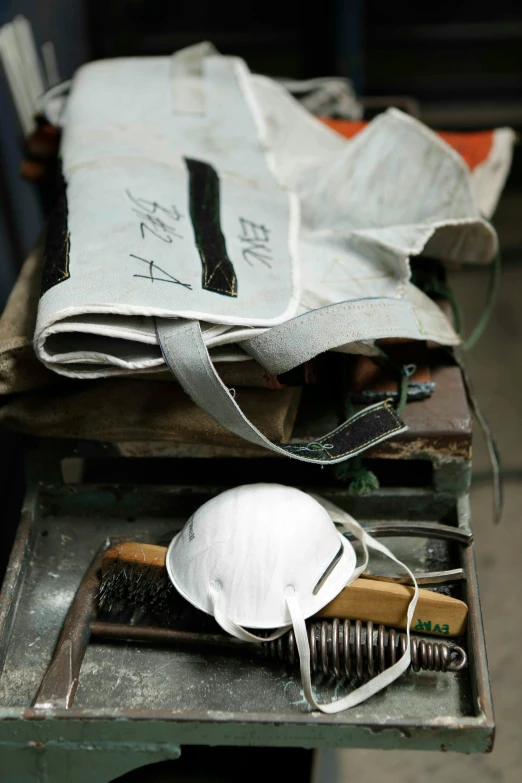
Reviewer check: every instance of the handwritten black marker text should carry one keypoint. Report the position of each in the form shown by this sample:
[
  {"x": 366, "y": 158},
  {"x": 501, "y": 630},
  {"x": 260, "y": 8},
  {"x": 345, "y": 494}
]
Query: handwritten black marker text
[
  {"x": 154, "y": 218},
  {"x": 255, "y": 238},
  {"x": 154, "y": 269}
]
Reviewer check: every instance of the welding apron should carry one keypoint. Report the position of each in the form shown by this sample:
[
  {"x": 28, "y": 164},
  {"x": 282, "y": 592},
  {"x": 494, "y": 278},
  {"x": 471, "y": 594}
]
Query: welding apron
[{"x": 205, "y": 208}]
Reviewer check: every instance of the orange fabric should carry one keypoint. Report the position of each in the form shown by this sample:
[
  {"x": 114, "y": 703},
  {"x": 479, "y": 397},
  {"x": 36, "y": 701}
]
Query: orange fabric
[
  {"x": 346, "y": 128},
  {"x": 474, "y": 147}
]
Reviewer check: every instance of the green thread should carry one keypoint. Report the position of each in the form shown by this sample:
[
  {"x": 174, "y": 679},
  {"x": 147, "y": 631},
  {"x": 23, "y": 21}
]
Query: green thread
[
  {"x": 364, "y": 485},
  {"x": 428, "y": 282},
  {"x": 487, "y": 310},
  {"x": 362, "y": 481},
  {"x": 406, "y": 371}
]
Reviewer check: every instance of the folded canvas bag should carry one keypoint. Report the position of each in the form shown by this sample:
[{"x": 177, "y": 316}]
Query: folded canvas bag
[
  {"x": 180, "y": 232},
  {"x": 37, "y": 401},
  {"x": 20, "y": 370},
  {"x": 488, "y": 155}
]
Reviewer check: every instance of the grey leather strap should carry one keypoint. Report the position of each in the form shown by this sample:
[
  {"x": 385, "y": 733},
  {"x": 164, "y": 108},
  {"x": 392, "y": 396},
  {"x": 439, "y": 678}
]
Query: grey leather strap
[
  {"x": 298, "y": 340},
  {"x": 185, "y": 353}
]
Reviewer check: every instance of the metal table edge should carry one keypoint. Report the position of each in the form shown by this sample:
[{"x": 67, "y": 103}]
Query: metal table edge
[{"x": 476, "y": 732}]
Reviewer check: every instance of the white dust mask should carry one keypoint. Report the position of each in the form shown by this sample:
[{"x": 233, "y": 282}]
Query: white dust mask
[{"x": 269, "y": 556}]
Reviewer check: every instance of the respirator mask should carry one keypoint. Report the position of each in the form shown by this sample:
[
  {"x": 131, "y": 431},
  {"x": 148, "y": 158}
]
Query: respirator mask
[{"x": 267, "y": 556}]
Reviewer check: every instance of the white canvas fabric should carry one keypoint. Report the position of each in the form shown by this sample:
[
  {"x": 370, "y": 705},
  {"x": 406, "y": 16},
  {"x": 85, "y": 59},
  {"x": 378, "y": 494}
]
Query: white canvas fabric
[
  {"x": 367, "y": 205},
  {"x": 136, "y": 160},
  {"x": 200, "y": 195},
  {"x": 268, "y": 556},
  {"x": 489, "y": 177}
]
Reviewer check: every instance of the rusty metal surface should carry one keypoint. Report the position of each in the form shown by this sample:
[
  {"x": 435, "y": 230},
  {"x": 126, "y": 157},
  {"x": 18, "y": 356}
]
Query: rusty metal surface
[
  {"x": 438, "y": 427},
  {"x": 446, "y": 413},
  {"x": 421, "y": 529},
  {"x": 339, "y": 649},
  {"x": 156, "y": 635},
  {"x": 153, "y": 678},
  {"x": 210, "y": 698},
  {"x": 441, "y": 423},
  {"x": 479, "y": 662},
  {"x": 207, "y": 693},
  {"x": 14, "y": 576},
  {"x": 58, "y": 686}
]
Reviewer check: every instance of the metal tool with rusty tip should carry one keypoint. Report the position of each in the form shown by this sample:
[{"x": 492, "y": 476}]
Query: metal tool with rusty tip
[
  {"x": 339, "y": 648},
  {"x": 342, "y": 649}
]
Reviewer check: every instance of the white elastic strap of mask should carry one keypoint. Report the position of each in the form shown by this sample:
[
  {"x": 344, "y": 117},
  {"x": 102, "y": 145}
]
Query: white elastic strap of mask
[
  {"x": 301, "y": 635},
  {"x": 237, "y": 630}
]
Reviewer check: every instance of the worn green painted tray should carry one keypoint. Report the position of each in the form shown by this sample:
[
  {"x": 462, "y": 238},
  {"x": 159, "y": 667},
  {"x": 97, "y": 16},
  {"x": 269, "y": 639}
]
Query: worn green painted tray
[{"x": 138, "y": 704}]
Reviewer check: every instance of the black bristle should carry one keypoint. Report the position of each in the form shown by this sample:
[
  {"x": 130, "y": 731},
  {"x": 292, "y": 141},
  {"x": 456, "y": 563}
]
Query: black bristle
[{"x": 138, "y": 594}]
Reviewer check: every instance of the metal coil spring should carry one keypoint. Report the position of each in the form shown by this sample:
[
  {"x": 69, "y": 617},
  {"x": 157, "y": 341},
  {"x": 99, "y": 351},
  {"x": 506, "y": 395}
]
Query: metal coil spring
[{"x": 341, "y": 649}]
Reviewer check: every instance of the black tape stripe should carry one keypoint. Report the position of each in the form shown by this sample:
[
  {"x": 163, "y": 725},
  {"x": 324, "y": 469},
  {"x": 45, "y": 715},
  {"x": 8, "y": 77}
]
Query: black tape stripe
[
  {"x": 57, "y": 246},
  {"x": 204, "y": 205},
  {"x": 366, "y": 428}
]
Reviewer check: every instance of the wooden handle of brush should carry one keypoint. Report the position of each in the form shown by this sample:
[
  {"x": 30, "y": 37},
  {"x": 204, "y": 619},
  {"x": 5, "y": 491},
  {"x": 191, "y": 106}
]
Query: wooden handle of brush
[
  {"x": 387, "y": 603},
  {"x": 134, "y": 552},
  {"x": 365, "y": 599}
]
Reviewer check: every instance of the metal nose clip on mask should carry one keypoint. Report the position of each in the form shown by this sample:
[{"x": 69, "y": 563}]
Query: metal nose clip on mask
[{"x": 269, "y": 556}]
